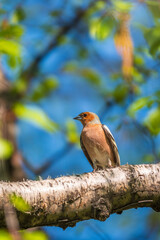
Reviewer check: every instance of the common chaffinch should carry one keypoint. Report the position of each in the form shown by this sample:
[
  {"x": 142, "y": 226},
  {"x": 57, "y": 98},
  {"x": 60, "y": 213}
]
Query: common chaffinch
[{"x": 97, "y": 142}]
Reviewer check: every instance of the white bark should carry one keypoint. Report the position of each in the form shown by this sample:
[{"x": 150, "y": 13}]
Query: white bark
[{"x": 64, "y": 201}]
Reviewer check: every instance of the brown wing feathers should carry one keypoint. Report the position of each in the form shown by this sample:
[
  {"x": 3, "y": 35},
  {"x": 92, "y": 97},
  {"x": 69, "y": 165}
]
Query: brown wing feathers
[{"x": 112, "y": 143}]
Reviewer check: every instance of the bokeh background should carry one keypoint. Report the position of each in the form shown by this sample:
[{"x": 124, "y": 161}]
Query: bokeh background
[{"x": 60, "y": 58}]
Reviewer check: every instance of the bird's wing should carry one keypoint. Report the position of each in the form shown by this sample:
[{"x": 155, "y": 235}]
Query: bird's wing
[
  {"x": 112, "y": 143},
  {"x": 85, "y": 152}
]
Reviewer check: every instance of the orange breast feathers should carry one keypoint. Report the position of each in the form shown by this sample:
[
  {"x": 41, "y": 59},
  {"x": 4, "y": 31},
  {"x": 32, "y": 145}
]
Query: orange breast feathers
[{"x": 94, "y": 140}]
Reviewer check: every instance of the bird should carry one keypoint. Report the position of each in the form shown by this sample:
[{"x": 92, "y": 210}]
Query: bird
[{"x": 97, "y": 142}]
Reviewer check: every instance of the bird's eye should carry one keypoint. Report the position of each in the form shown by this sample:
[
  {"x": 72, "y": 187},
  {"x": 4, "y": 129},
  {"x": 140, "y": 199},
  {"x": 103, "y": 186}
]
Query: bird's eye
[{"x": 84, "y": 115}]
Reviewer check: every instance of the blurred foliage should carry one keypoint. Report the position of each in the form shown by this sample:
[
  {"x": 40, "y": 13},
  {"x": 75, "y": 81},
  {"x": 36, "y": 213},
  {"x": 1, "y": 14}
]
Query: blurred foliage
[
  {"x": 88, "y": 74},
  {"x": 72, "y": 133},
  {"x": 153, "y": 39},
  {"x": 19, "y": 203},
  {"x": 122, "y": 6},
  {"x": 35, "y": 116},
  {"x": 6, "y": 149},
  {"x": 19, "y": 86},
  {"x": 138, "y": 104},
  {"x": 148, "y": 158},
  {"x": 10, "y": 47},
  {"x": 36, "y": 235},
  {"x": 26, "y": 235},
  {"x": 100, "y": 28},
  {"x": 91, "y": 76},
  {"x": 152, "y": 121},
  {"x": 5, "y": 235},
  {"x": 11, "y": 31},
  {"x": 120, "y": 93},
  {"x": 19, "y": 14},
  {"x": 38, "y": 50},
  {"x": 44, "y": 88}
]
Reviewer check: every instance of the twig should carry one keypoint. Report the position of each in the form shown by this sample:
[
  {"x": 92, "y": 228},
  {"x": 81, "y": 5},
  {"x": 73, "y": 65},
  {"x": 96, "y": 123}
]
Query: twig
[
  {"x": 31, "y": 71},
  {"x": 56, "y": 157}
]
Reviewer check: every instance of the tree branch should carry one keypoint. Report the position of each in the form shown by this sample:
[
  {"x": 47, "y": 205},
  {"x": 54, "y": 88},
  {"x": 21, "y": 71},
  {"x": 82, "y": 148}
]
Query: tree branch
[
  {"x": 32, "y": 70},
  {"x": 64, "y": 201},
  {"x": 49, "y": 162}
]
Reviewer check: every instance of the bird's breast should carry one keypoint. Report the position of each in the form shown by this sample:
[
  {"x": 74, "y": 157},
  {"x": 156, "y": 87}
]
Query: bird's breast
[{"x": 96, "y": 145}]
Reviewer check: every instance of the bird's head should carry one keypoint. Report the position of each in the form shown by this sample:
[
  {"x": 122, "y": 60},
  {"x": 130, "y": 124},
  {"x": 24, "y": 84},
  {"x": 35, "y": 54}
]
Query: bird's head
[{"x": 87, "y": 118}]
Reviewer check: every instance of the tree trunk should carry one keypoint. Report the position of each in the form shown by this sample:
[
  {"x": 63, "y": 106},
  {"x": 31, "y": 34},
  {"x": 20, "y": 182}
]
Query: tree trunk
[{"x": 11, "y": 168}]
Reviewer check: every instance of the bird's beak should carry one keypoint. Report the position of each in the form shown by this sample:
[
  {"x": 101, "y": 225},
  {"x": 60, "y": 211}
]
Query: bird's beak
[{"x": 78, "y": 118}]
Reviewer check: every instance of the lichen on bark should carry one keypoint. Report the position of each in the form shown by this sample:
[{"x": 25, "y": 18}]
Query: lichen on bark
[{"x": 64, "y": 201}]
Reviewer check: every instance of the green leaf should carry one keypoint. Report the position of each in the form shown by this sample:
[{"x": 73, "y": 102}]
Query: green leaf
[
  {"x": 4, "y": 235},
  {"x": 120, "y": 93},
  {"x": 152, "y": 2},
  {"x": 154, "y": 8},
  {"x": 44, "y": 88},
  {"x": 35, "y": 116},
  {"x": 101, "y": 28},
  {"x": 18, "y": 15},
  {"x": 115, "y": 76},
  {"x": 13, "y": 61},
  {"x": 122, "y": 6},
  {"x": 137, "y": 76},
  {"x": 152, "y": 121},
  {"x": 98, "y": 6},
  {"x": 105, "y": 28},
  {"x": 148, "y": 158},
  {"x": 72, "y": 133},
  {"x": 36, "y": 235},
  {"x": 12, "y": 31},
  {"x": 136, "y": 89},
  {"x": 155, "y": 46},
  {"x": 94, "y": 25},
  {"x": 55, "y": 13},
  {"x": 10, "y": 47},
  {"x": 6, "y": 149},
  {"x": 138, "y": 60},
  {"x": 138, "y": 104},
  {"x": 20, "y": 85},
  {"x": 91, "y": 76},
  {"x": 19, "y": 203},
  {"x": 70, "y": 67},
  {"x": 152, "y": 37}
]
